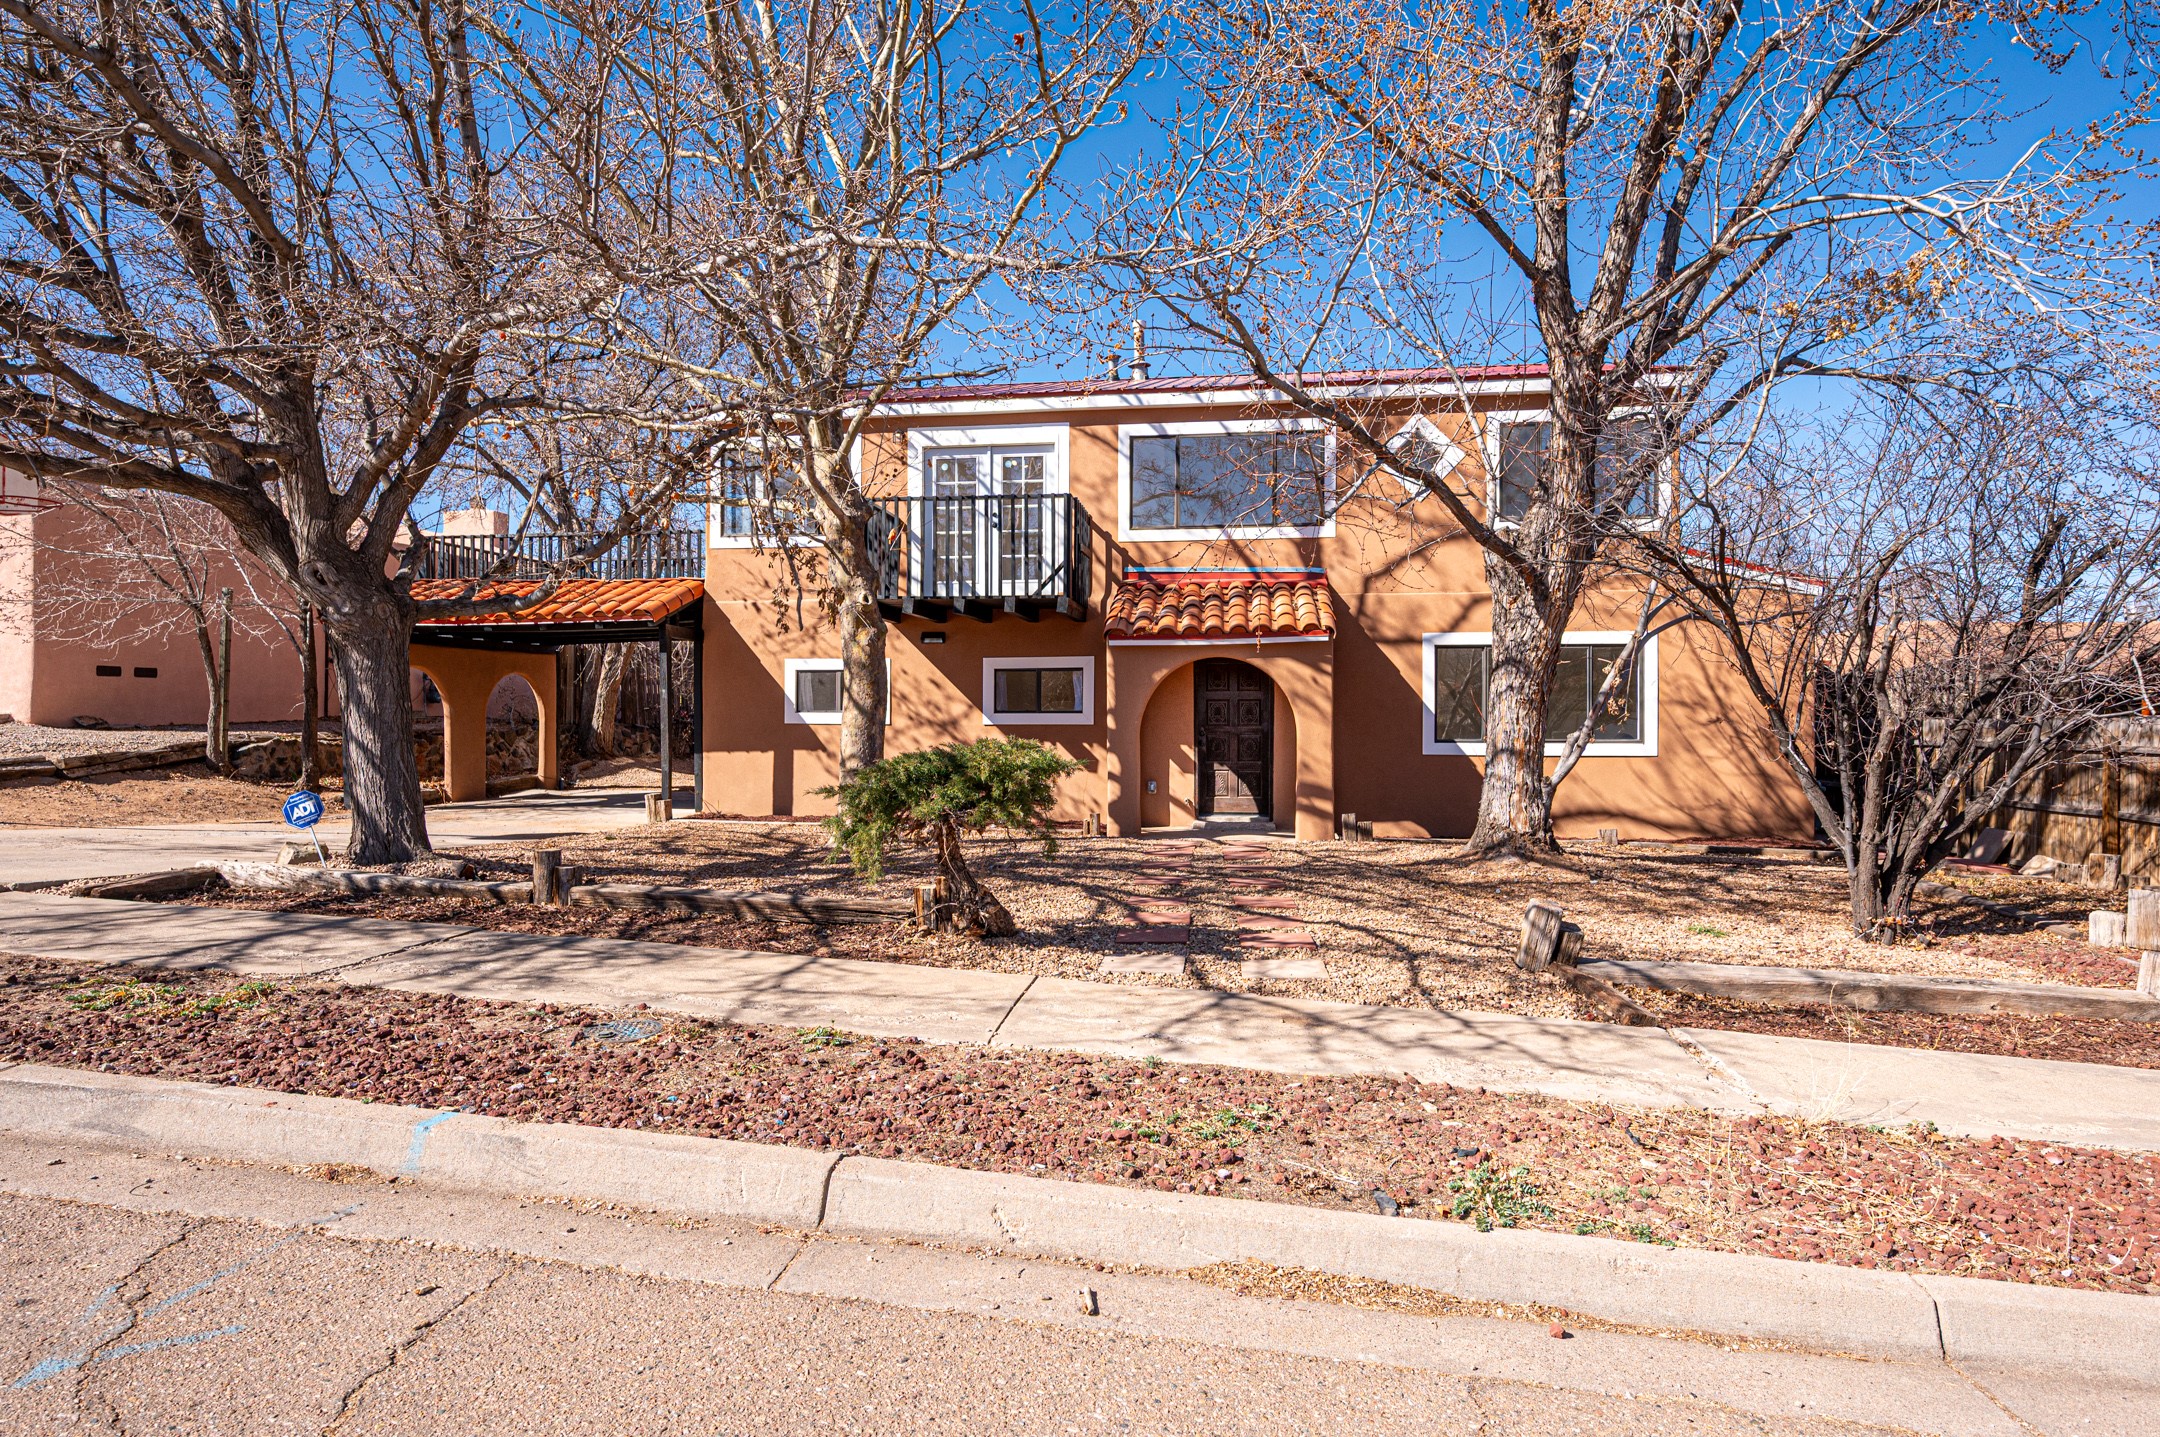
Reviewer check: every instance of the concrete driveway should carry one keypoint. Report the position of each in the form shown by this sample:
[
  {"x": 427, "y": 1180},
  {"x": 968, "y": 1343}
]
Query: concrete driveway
[{"x": 33, "y": 854}]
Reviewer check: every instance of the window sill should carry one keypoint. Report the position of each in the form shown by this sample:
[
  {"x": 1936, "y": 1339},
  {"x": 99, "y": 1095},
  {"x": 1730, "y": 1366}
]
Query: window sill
[
  {"x": 1611, "y": 749},
  {"x": 1256, "y": 531}
]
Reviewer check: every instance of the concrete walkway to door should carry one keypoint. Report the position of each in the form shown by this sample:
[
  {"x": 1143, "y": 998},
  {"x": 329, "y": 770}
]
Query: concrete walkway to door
[{"x": 1961, "y": 1093}]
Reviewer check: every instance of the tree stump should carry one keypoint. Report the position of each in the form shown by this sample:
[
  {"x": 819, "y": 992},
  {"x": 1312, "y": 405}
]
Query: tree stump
[
  {"x": 547, "y": 862},
  {"x": 2142, "y": 930},
  {"x": 1543, "y": 925}
]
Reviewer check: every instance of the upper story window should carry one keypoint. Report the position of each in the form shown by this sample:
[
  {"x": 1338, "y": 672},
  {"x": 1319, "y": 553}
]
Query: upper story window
[
  {"x": 756, "y": 501},
  {"x": 1227, "y": 481},
  {"x": 1626, "y": 455},
  {"x": 1243, "y": 479}
]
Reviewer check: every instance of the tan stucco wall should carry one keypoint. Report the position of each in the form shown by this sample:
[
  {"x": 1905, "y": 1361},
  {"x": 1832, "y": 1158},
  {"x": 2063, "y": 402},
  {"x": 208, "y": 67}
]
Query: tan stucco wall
[
  {"x": 466, "y": 678},
  {"x": 48, "y": 658},
  {"x": 1350, "y": 714}
]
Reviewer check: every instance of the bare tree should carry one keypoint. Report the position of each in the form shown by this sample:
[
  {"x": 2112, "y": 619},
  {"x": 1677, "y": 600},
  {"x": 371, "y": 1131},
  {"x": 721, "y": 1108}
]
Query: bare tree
[
  {"x": 1669, "y": 206},
  {"x": 1930, "y": 607},
  {"x": 796, "y": 203},
  {"x": 258, "y": 255}
]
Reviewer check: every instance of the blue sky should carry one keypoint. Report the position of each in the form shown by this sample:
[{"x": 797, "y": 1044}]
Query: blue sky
[{"x": 2090, "y": 88}]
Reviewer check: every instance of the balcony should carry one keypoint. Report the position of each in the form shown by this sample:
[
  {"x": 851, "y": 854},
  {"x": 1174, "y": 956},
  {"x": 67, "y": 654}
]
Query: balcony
[
  {"x": 653, "y": 554},
  {"x": 983, "y": 554}
]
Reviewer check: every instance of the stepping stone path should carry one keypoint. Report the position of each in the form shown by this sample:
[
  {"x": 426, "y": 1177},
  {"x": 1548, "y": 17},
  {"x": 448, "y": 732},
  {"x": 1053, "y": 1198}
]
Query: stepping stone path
[
  {"x": 1161, "y": 923},
  {"x": 1268, "y": 933},
  {"x": 1272, "y": 943}
]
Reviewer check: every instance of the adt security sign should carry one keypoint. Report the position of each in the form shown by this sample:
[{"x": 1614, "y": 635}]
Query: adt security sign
[{"x": 304, "y": 809}]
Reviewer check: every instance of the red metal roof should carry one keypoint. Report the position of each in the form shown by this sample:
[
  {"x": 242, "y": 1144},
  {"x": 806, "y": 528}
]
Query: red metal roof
[
  {"x": 1219, "y": 606},
  {"x": 1199, "y": 383},
  {"x": 575, "y": 601}
]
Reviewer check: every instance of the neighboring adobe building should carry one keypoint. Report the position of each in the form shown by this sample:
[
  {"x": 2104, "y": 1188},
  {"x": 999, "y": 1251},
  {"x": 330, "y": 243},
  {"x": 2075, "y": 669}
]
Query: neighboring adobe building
[
  {"x": 1186, "y": 588},
  {"x": 65, "y": 653}
]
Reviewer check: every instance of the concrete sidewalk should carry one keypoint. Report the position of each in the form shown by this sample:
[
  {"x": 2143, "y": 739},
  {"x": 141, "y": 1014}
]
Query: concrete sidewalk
[
  {"x": 29, "y": 855},
  {"x": 1639, "y": 1067}
]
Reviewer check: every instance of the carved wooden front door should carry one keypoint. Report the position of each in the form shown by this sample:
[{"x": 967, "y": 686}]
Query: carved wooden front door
[{"x": 1234, "y": 728}]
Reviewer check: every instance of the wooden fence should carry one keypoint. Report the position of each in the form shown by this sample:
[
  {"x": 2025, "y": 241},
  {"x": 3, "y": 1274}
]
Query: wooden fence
[{"x": 2104, "y": 800}]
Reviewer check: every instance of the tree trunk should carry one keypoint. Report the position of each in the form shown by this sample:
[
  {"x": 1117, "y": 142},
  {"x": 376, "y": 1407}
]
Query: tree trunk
[
  {"x": 310, "y": 703},
  {"x": 863, "y": 699},
  {"x": 382, "y": 776},
  {"x": 607, "y": 700},
  {"x": 221, "y": 701},
  {"x": 1515, "y": 804},
  {"x": 969, "y": 907},
  {"x": 1881, "y": 894},
  {"x": 206, "y": 647}
]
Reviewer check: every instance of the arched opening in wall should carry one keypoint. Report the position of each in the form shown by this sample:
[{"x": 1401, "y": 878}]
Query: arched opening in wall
[
  {"x": 429, "y": 715},
  {"x": 513, "y": 734}
]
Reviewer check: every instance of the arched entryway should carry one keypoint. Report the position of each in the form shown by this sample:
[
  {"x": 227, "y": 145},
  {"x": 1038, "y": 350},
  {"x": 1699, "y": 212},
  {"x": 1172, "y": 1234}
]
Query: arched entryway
[
  {"x": 475, "y": 684},
  {"x": 513, "y": 735},
  {"x": 1223, "y": 733}
]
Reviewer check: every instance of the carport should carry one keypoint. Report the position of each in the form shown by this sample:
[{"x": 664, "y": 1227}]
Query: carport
[{"x": 467, "y": 657}]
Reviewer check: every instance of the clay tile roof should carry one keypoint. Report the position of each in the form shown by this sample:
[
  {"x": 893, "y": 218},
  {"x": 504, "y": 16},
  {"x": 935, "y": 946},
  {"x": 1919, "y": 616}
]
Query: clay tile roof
[
  {"x": 575, "y": 601},
  {"x": 1219, "y": 607}
]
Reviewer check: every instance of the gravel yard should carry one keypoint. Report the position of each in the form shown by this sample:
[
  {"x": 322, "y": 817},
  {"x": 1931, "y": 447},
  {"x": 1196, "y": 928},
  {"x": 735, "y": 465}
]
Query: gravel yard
[
  {"x": 26, "y": 740},
  {"x": 1410, "y": 925},
  {"x": 1404, "y": 923},
  {"x": 1902, "y": 1200},
  {"x": 185, "y": 793}
]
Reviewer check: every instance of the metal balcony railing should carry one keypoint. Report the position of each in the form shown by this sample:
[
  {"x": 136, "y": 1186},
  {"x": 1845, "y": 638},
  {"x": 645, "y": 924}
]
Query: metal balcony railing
[
  {"x": 654, "y": 554},
  {"x": 1018, "y": 551}
]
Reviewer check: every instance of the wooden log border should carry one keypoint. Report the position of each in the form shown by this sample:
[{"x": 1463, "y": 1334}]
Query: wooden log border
[
  {"x": 1875, "y": 992},
  {"x": 788, "y": 907}
]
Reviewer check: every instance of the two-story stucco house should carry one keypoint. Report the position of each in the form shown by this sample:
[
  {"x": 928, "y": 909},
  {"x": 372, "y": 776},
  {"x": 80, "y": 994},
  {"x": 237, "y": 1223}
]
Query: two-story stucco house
[{"x": 1185, "y": 586}]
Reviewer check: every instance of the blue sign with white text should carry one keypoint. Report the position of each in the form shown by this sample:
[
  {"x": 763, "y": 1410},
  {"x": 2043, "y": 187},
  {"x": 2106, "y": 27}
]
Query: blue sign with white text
[{"x": 304, "y": 809}]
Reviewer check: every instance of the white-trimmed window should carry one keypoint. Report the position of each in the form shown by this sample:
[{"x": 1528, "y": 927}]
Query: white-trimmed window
[
  {"x": 1022, "y": 692},
  {"x": 1226, "y": 478},
  {"x": 993, "y": 459},
  {"x": 752, "y": 502},
  {"x": 1458, "y": 679},
  {"x": 1515, "y": 445},
  {"x": 812, "y": 690}
]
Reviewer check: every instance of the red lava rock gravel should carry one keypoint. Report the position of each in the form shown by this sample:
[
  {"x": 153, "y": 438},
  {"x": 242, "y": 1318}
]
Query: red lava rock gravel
[{"x": 1912, "y": 1201}]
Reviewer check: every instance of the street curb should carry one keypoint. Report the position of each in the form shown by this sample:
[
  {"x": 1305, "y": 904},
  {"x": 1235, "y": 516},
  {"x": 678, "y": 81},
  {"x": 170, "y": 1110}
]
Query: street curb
[
  {"x": 1818, "y": 1306},
  {"x": 1826, "y": 1308}
]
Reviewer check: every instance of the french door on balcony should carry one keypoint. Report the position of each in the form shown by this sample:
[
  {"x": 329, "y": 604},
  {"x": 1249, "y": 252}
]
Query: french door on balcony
[{"x": 987, "y": 534}]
